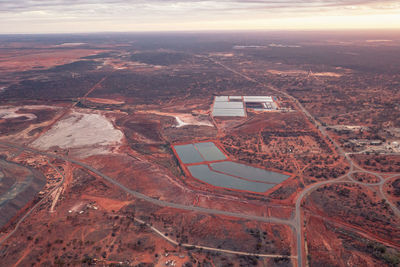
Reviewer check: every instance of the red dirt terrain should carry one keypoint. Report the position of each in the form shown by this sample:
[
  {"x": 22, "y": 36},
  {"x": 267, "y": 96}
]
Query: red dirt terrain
[
  {"x": 392, "y": 190},
  {"x": 334, "y": 244},
  {"x": 379, "y": 163},
  {"x": 98, "y": 118},
  {"x": 358, "y": 207}
]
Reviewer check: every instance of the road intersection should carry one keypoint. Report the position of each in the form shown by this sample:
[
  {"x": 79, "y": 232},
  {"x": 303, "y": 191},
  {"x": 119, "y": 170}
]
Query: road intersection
[{"x": 295, "y": 222}]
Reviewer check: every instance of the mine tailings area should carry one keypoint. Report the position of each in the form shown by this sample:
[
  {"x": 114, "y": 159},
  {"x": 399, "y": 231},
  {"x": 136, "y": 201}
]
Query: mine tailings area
[{"x": 18, "y": 187}]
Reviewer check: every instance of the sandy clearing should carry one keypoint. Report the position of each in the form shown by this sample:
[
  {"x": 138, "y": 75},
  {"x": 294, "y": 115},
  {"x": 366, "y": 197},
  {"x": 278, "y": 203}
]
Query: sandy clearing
[
  {"x": 287, "y": 72},
  {"x": 8, "y": 107},
  {"x": 11, "y": 113},
  {"x": 77, "y": 207},
  {"x": 38, "y": 107},
  {"x": 222, "y": 54},
  {"x": 104, "y": 101},
  {"x": 379, "y": 41},
  {"x": 24, "y": 136},
  {"x": 180, "y": 122},
  {"x": 328, "y": 74},
  {"x": 85, "y": 152},
  {"x": 107, "y": 203},
  {"x": 43, "y": 59},
  {"x": 302, "y": 72},
  {"x": 55, "y": 196},
  {"x": 189, "y": 119},
  {"x": 80, "y": 130},
  {"x": 183, "y": 119}
]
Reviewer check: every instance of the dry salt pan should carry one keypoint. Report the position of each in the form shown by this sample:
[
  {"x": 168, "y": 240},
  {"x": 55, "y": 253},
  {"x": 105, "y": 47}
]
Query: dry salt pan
[{"x": 80, "y": 130}]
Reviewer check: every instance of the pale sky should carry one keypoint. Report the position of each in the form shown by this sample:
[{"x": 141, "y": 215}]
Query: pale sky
[{"x": 74, "y": 16}]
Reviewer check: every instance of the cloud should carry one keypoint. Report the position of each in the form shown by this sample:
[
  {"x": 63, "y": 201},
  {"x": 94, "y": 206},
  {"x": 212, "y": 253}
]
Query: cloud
[
  {"x": 42, "y": 13},
  {"x": 32, "y": 5}
]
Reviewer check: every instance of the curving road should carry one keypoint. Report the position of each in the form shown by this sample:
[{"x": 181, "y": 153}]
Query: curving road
[
  {"x": 295, "y": 222},
  {"x": 174, "y": 242},
  {"x": 158, "y": 202},
  {"x": 154, "y": 201},
  {"x": 346, "y": 178}
]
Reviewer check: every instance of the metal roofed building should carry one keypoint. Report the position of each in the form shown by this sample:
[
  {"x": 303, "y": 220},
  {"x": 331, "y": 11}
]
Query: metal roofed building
[
  {"x": 229, "y": 112},
  {"x": 228, "y": 105},
  {"x": 235, "y": 106},
  {"x": 221, "y": 98},
  {"x": 236, "y": 97},
  {"x": 257, "y": 99}
]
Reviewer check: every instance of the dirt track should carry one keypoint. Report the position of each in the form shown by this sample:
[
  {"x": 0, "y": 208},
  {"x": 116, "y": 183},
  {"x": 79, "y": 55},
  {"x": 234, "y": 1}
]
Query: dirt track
[
  {"x": 296, "y": 223},
  {"x": 297, "y": 220}
]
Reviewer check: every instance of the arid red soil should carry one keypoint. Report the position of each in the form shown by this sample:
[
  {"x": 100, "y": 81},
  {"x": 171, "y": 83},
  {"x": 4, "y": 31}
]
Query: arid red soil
[
  {"x": 33, "y": 59},
  {"x": 392, "y": 189},
  {"x": 380, "y": 163},
  {"x": 357, "y": 207},
  {"x": 334, "y": 244},
  {"x": 117, "y": 194}
]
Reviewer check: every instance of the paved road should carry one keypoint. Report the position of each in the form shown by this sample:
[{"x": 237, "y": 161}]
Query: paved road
[
  {"x": 346, "y": 178},
  {"x": 295, "y": 223},
  {"x": 154, "y": 201},
  {"x": 158, "y": 202},
  {"x": 297, "y": 216}
]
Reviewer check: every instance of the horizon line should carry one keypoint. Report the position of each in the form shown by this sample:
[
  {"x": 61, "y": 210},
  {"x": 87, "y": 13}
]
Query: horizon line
[{"x": 211, "y": 31}]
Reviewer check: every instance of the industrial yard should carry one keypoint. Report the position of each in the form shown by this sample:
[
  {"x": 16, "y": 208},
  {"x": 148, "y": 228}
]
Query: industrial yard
[{"x": 236, "y": 106}]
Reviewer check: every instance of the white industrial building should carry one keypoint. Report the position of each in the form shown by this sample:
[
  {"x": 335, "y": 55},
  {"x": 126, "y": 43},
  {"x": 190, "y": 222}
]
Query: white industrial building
[
  {"x": 235, "y": 106},
  {"x": 257, "y": 99}
]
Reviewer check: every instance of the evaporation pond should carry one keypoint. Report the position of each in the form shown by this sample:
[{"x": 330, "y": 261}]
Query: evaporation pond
[
  {"x": 210, "y": 151},
  {"x": 248, "y": 172},
  {"x": 205, "y": 174},
  {"x": 188, "y": 154}
]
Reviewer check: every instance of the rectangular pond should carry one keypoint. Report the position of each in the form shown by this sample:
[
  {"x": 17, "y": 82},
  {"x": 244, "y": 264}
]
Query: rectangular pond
[
  {"x": 210, "y": 151},
  {"x": 248, "y": 172},
  {"x": 188, "y": 154},
  {"x": 205, "y": 174}
]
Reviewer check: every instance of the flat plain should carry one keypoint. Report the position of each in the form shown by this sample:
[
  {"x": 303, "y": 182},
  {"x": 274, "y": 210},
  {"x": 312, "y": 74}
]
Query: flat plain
[{"x": 134, "y": 168}]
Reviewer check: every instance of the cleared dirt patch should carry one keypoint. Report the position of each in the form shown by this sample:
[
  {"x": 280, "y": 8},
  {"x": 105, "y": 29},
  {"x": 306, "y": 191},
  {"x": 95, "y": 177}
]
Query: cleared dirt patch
[
  {"x": 183, "y": 119},
  {"x": 80, "y": 130},
  {"x": 11, "y": 113},
  {"x": 104, "y": 101}
]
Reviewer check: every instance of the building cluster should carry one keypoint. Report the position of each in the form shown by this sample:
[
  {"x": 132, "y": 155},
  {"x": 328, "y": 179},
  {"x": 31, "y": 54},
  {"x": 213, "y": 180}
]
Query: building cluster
[{"x": 235, "y": 106}]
